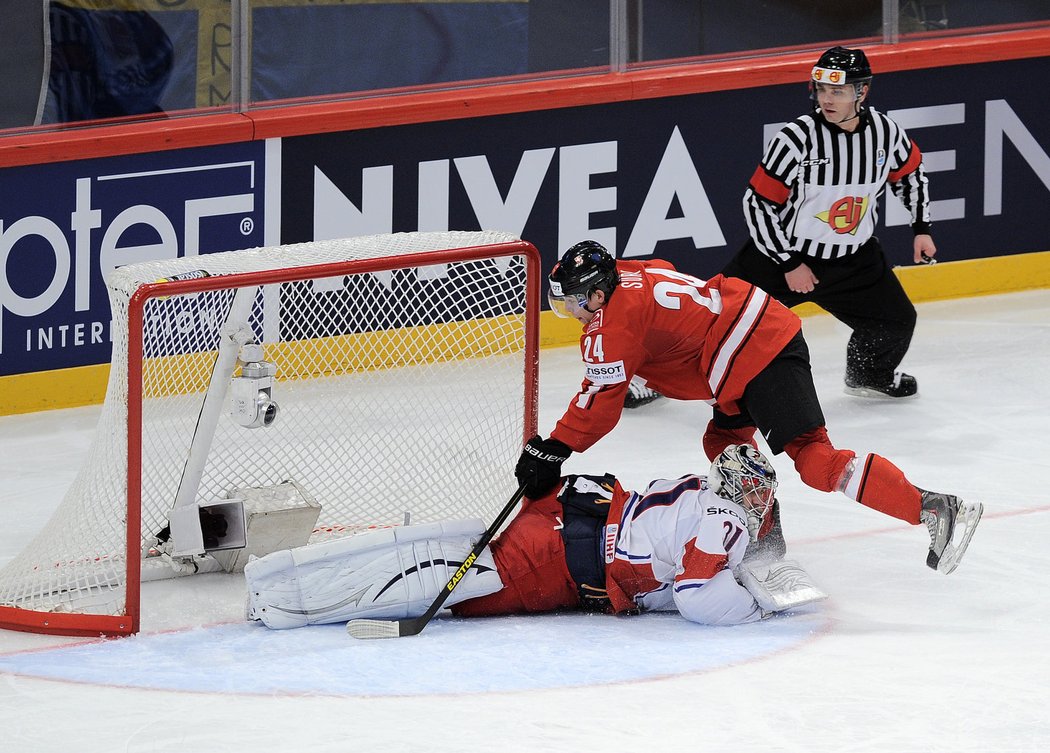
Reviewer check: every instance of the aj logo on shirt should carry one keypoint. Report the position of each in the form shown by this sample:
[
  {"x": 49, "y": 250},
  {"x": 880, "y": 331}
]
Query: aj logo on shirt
[{"x": 845, "y": 214}]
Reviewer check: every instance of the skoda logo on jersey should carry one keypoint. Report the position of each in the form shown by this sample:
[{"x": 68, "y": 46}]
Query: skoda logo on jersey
[{"x": 845, "y": 215}]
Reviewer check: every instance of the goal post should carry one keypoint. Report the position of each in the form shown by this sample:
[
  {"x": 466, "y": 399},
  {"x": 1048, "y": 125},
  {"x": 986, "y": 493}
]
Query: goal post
[{"x": 379, "y": 379}]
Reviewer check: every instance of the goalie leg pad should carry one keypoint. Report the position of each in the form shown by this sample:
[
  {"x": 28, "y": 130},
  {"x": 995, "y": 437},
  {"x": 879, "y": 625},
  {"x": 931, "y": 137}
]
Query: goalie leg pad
[
  {"x": 391, "y": 573},
  {"x": 778, "y": 585}
]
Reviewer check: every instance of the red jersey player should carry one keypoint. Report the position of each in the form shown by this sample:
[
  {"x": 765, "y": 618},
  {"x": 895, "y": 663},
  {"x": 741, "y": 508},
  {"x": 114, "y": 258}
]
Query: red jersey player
[{"x": 728, "y": 343}]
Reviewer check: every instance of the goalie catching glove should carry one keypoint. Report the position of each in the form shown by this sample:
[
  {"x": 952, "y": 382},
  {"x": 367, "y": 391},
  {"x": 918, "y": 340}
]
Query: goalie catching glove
[{"x": 539, "y": 467}]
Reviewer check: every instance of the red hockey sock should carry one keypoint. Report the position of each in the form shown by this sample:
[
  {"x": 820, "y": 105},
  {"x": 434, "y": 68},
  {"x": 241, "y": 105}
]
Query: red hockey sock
[
  {"x": 817, "y": 461},
  {"x": 717, "y": 439},
  {"x": 879, "y": 484},
  {"x": 875, "y": 482}
]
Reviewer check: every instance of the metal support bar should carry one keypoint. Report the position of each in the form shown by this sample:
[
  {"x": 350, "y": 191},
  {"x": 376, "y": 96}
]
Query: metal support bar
[{"x": 233, "y": 336}]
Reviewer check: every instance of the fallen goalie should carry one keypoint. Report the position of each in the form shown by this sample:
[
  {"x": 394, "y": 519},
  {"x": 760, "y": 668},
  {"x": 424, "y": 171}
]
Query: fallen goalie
[{"x": 709, "y": 547}]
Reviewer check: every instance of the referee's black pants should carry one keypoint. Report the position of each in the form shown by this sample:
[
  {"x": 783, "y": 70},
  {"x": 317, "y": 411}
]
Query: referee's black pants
[{"x": 860, "y": 290}]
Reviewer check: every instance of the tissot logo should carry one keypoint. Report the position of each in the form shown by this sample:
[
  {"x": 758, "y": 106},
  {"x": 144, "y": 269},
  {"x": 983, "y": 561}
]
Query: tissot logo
[{"x": 606, "y": 373}]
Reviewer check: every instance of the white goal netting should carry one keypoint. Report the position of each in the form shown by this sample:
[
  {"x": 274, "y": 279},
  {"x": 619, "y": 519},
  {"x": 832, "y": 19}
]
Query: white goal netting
[{"x": 403, "y": 388}]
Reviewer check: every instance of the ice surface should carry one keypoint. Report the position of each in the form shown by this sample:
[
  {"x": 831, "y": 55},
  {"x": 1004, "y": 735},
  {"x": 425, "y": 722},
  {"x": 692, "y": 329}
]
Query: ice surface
[{"x": 900, "y": 658}]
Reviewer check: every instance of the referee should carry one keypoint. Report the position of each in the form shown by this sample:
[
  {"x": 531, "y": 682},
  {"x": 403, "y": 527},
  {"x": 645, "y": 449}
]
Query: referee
[{"x": 811, "y": 209}]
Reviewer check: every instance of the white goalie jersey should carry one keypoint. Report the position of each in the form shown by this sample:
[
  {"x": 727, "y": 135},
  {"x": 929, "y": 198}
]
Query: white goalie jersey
[{"x": 681, "y": 547}]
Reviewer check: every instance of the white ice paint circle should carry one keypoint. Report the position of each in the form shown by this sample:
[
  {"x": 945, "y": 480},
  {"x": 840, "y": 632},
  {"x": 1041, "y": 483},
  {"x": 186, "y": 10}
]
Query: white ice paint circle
[{"x": 452, "y": 656}]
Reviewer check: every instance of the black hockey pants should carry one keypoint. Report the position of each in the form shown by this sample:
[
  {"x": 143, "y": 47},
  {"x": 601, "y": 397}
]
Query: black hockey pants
[{"x": 860, "y": 291}]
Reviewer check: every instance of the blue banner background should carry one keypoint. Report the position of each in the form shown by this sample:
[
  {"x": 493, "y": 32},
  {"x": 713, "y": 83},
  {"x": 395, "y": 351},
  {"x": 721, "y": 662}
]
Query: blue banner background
[
  {"x": 996, "y": 187},
  {"x": 725, "y": 135},
  {"x": 46, "y": 196}
]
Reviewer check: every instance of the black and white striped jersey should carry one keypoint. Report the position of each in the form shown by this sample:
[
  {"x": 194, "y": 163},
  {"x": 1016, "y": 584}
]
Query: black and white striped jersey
[{"x": 817, "y": 188}]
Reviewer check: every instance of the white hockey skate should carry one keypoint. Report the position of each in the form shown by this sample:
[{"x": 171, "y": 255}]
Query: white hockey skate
[{"x": 951, "y": 523}]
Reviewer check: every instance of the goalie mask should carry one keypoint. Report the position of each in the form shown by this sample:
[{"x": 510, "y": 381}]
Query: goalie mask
[{"x": 742, "y": 474}]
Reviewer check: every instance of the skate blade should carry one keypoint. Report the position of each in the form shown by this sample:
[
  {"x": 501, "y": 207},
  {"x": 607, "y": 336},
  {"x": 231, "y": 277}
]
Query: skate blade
[
  {"x": 873, "y": 393},
  {"x": 965, "y": 525}
]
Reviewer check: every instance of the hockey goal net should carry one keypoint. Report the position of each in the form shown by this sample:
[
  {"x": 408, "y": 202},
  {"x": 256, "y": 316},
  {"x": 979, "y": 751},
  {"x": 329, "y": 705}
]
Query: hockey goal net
[{"x": 405, "y": 375}]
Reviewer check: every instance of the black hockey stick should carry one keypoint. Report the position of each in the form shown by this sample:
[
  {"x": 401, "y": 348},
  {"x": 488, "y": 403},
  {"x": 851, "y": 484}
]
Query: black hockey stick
[{"x": 366, "y": 628}]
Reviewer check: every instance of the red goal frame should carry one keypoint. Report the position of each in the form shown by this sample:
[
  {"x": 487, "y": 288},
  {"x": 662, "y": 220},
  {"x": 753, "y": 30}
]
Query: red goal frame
[{"x": 86, "y": 624}]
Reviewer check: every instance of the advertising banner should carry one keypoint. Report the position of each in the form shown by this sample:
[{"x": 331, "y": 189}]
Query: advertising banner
[
  {"x": 64, "y": 225},
  {"x": 658, "y": 177},
  {"x": 665, "y": 177}
]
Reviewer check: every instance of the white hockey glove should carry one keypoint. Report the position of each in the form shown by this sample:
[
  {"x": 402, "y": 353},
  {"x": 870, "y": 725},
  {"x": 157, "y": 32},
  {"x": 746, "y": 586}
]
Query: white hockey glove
[{"x": 778, "y": 585}]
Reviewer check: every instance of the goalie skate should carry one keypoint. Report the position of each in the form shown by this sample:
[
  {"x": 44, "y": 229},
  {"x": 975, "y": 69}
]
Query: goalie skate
[{"x": 951, "y": 523}]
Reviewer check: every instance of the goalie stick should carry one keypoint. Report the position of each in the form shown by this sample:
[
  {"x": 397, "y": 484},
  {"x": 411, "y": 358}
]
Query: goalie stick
[{"x": 366, "y": 628}]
